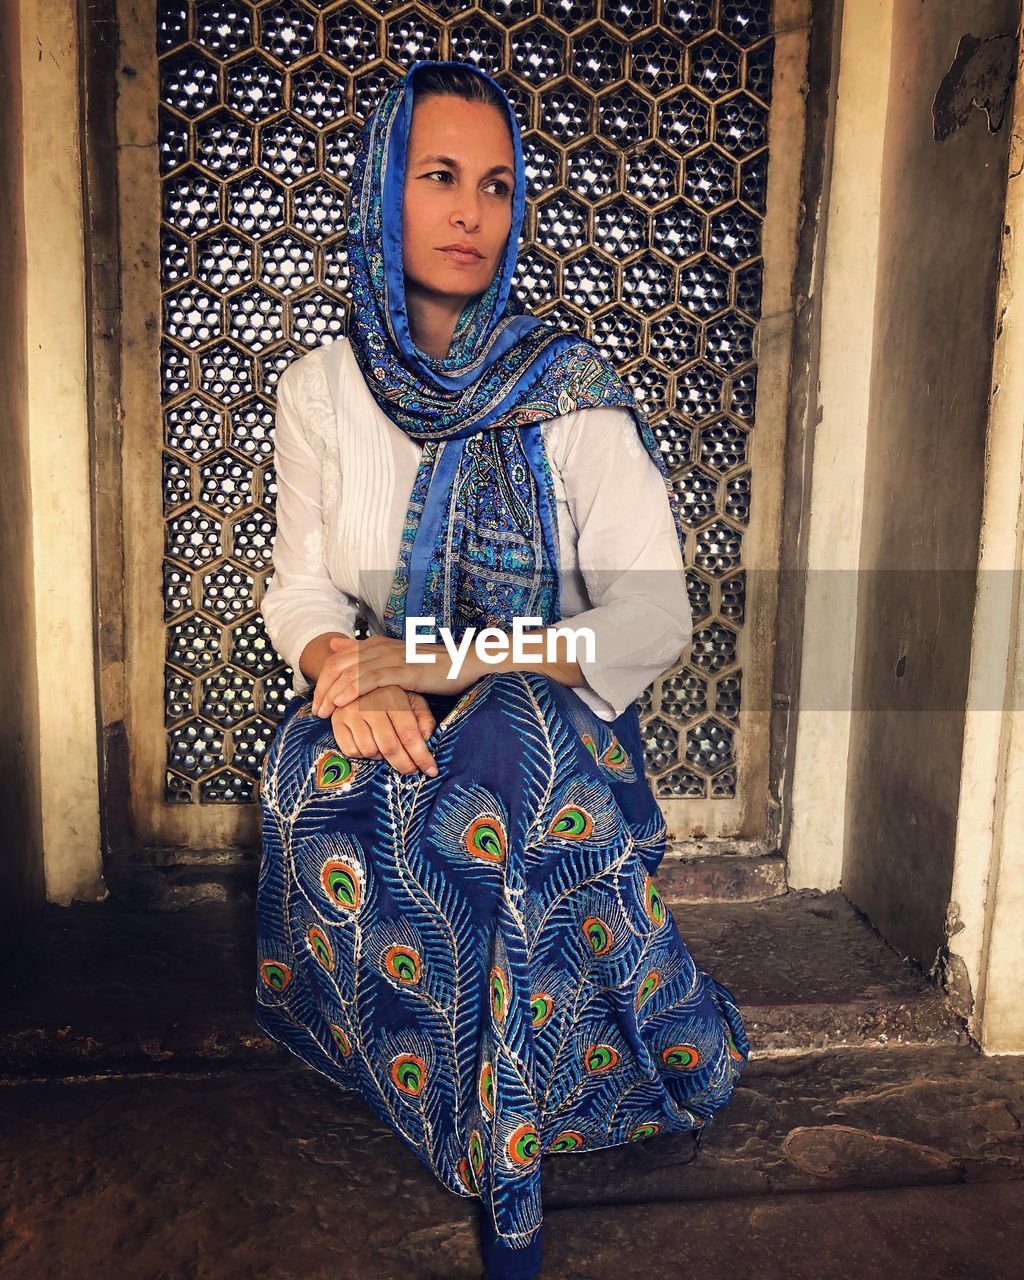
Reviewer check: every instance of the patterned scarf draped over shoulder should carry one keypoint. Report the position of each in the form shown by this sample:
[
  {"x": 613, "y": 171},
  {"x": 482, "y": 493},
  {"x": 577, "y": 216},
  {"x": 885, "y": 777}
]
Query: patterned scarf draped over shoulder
[{"x": 479, "y": 544}]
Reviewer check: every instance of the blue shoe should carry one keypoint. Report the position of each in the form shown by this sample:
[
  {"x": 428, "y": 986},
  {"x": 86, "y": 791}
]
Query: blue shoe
[{"x": 501, "y": 1261}]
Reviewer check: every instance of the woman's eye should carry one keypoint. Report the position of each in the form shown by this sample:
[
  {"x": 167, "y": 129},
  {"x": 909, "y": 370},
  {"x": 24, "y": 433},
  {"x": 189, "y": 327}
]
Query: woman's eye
[{"x": 504, "y": 190}]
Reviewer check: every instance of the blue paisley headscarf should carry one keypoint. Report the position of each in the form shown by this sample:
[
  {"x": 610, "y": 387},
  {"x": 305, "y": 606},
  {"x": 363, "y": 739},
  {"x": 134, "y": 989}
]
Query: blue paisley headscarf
[{"x": 479, "y": 544}]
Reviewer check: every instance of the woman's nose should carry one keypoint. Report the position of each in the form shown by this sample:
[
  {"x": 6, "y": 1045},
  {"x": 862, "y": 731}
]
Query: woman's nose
[{"x": 467, "y": 212}]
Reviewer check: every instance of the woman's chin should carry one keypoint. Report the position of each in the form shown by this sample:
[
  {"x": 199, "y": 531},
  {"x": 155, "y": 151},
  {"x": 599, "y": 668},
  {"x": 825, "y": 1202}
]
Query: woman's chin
[
  {"x": 471, "y": 277},
  {"x": 455, "y": 284},
  {"x": 449, "y": 280}
]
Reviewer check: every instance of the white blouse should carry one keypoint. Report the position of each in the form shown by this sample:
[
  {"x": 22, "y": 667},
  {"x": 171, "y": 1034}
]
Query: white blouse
[{"x": 345, "y": 473}]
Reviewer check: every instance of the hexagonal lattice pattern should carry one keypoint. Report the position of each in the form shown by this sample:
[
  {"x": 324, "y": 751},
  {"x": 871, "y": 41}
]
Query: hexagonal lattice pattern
[{"x": 645, "y": 140}]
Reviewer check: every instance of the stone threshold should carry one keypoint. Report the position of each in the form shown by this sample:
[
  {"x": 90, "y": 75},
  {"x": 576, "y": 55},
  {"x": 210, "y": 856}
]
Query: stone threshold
[{"x": 100, "y": 987}]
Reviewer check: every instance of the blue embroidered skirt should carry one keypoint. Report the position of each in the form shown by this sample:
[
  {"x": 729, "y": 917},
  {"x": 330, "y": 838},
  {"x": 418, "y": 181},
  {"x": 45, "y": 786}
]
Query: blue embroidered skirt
[{"x": 484, "y": 957}]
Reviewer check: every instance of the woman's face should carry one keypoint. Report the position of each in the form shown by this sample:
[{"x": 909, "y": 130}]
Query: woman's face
[{"x": 459, "y": 181}]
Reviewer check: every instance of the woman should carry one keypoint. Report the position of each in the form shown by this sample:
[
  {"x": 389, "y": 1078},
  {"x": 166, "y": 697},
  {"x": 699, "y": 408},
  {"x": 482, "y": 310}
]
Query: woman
[{"x": 456, "y": 912}]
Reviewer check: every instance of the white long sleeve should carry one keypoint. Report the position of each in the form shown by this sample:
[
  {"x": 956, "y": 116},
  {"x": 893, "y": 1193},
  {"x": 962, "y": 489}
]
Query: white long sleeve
[
  {"x": 301, "y": 600},
  {"x": 629, "y": 555}
]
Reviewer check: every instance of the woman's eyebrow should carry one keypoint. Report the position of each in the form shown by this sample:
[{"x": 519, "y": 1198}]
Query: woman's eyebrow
[{"x": 454, "y": 164}]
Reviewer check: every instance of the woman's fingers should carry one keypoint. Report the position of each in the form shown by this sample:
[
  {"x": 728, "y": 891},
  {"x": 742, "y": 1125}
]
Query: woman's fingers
[
  {"x": 425, "y": 722},
  {"x": 316, "y": 697},
  {"x": 338, "y": 673},
  {"x": 368, "y": 679},
  {"x": 395, "y": 732},
  {"x": 421, "y": 710},
  {"x": 332, "y": 699},
  {"x": 391, "y": 745},
  {"x": 355, "y": 682},
  {"x": 360, "y": 733},
  {"x": 360, "y": 667},
  {"x": 329, "y": 696},
  {"x": 413, "y": 740},
  {"x": 321, "y": 707},
  {"x": 343, "y": 667},
  {"x": 347, "y": 745}
]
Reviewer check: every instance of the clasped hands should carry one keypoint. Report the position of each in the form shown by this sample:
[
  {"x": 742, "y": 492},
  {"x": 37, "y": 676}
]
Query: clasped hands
[{"x": 375, "y": 698}]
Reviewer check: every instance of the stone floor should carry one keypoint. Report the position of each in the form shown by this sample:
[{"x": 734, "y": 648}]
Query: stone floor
[
  {"x": 149, "y": 1132},
  {"x": 275, "y": 1173}
]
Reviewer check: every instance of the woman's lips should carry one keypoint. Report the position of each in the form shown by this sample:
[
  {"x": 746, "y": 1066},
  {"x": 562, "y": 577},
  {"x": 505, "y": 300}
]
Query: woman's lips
[{"x": 457, "y": 255}]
